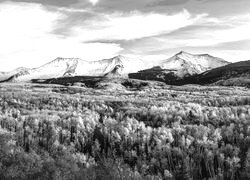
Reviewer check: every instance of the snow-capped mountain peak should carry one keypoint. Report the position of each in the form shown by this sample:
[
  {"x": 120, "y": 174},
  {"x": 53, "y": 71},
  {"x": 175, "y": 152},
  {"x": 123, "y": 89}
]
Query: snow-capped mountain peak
[
  {"x": 76, "y": 67},
  {"x": 188, "y": 64},
  {"x": 183, "y": 53},
  {"x": 119, "y": 57}
]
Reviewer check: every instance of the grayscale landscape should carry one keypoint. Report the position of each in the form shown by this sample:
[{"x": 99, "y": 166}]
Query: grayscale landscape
[{"x": 124, "y": 90}]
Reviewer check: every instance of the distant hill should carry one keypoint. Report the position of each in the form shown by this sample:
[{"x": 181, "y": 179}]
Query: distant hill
[
  {"x": 101, "y": 82},
  {"x": 156, "y": 74}
]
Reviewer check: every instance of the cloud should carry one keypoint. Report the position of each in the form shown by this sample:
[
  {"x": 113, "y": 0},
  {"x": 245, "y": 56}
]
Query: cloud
[
  {"x": 35, "y": 31},
  {"x": 167, "y": 2},
  {"x": 27, "y": 38},
  {"x": 23, "y": 22},
  {"x": 235, "y": 45},
  {"x": 94, "y": 2},
  {"x": 226, "y": 37},
  {"x": 60, "y": 3},
  {"x": 207, "y": 33},
  {"x": 218, "y": 30},
  {"x": 109, "y": 6},
  {"x": 131, "y": 26}
]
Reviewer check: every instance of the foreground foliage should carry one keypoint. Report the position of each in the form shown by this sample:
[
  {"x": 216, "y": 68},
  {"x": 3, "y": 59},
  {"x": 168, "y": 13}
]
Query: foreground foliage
[{"x": 161, "y": 132}]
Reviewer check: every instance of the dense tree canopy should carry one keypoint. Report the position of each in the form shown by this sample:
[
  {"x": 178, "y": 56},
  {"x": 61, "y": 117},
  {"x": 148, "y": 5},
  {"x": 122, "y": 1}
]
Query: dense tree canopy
[{"x": 200, "y": 133}]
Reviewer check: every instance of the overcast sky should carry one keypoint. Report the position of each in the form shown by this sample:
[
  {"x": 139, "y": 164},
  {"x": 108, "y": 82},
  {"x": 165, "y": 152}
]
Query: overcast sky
[{"x": 34, "y": 32}]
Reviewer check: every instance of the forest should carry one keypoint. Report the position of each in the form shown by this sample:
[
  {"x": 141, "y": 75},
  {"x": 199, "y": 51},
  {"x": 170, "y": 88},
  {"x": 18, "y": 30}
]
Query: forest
[{"x": 152, "y": 133}]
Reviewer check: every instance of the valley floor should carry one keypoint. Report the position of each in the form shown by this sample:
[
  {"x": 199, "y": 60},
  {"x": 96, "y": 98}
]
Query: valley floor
[{"x": 151, "y": 132}]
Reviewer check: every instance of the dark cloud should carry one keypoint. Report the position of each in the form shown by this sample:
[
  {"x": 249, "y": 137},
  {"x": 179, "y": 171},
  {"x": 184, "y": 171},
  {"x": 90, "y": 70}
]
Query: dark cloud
[
  {"x": 60, "y": 3},
  {"x": 137, "y": 5},
  {"x": 107, "y": 4},
  {"x": 124, "y": 5},
  {"x": 211, "y": 6},
  {"x": 167, "y": 2}
]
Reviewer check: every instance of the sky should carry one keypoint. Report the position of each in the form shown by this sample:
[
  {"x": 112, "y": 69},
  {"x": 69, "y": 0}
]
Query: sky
[{"x": 34, "y": 32}]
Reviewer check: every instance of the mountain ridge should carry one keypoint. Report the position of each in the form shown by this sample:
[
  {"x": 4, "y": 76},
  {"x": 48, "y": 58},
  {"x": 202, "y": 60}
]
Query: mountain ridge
[
  {"x": 179, "y": 66},
  {"x": 61, "y": 67}
]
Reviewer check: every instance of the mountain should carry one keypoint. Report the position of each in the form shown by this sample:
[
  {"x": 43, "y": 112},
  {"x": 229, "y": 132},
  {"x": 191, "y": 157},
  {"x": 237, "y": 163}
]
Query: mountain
[
  {"x": 64, "y": 67},
  {"x": 235, "y": 74},
  {"x": 6, "y": 75},
  {"x": 179, "y": 66},
  {"x": 186, "y": 64}
]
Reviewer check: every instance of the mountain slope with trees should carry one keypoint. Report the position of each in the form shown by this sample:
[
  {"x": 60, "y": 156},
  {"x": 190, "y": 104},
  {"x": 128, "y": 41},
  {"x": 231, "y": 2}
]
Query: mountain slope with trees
[{"x": 234, "y": 74}]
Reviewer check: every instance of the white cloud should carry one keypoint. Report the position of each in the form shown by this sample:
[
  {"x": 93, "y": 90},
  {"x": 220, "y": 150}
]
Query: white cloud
[
  {"x": 236, "y": 29},
  {"x": 227, "y": 29},
  {"x": 26, "y": 39},
  {"x": 209, "y": 35},
  {"x": 134, "y": 25},
  {"x": 94, "y": 2},
  {"x": 233, "y": 56},
  {"x": 229, "y": 55}
]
